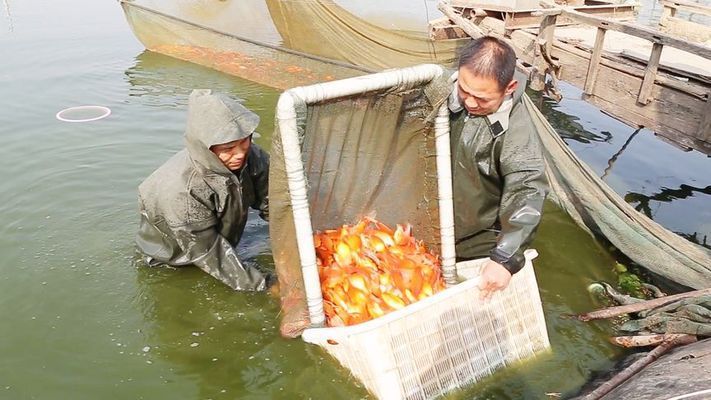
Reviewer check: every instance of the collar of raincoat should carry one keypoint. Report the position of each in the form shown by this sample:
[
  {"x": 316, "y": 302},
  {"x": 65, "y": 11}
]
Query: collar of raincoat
[
  {"x": 214, "y": 118},
  {"x": 503, "y": 113}
]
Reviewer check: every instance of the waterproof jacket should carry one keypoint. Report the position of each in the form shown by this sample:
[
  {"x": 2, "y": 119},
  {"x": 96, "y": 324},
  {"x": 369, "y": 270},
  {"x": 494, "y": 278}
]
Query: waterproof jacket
[
  {"x": 193, "y": 208},
  {"x": 498, "y": 180}
]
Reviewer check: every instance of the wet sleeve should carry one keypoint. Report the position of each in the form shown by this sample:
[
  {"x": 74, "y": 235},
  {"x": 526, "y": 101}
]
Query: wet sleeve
[
  {"x": 214, "y": 254},
  {"x": 261, "y": 182},
  {"x": 524, "y": 190}
]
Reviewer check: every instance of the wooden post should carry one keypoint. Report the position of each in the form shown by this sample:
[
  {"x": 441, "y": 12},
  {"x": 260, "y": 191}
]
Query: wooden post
[
  {"x": 544, "y": 43},
  {"x": 705, "y": 125},
  {"x": 668, "y": 10},
  {"x": 594, "y": 65},
  {"x": 645, "y": 91},
  {"x": 548, "y": 31}
]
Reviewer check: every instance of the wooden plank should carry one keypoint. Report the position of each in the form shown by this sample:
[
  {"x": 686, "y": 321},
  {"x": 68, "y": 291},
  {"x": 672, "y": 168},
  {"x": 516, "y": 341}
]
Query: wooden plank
[
  {"x": 524, "y": 44},
  {"x": 520, "y": 19},
  {"x": 467, "y": 26},
  {"x": 645, "y": 90},
  {"x": 594, "y": 65},
  {"x": 705, "y": 124},
  {"x": 688, "y": 30},
  {"x": 688, "y": 5},
  {"x": 673, "y": 114},
  {"x": 643, "y": 32},
  {"x": 684, "y": 70},
  {"x": 443, "y": 29},
  {"x": 628, "y": 67}
]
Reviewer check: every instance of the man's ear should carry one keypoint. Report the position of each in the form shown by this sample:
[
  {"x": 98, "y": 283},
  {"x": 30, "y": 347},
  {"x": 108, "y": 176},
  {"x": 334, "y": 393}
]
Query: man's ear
[{"x": 511, "y": 87}]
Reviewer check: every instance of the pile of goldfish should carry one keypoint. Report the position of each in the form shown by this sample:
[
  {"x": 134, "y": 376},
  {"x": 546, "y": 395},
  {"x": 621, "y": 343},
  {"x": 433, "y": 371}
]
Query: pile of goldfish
[{"x": 368, "y": 270}]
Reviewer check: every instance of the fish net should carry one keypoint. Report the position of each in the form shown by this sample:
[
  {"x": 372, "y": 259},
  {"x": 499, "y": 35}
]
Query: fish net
[
  {"x": 269, "y": 42},
  {"x": 597, "y": 208}
]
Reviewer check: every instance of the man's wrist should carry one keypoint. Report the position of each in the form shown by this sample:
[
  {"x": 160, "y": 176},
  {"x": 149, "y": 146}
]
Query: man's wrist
[{"x": 512, "y": 263}]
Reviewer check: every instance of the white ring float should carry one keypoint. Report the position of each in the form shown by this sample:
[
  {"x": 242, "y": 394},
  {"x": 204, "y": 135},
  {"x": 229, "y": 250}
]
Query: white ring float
[{"x": 102, "y": 111}]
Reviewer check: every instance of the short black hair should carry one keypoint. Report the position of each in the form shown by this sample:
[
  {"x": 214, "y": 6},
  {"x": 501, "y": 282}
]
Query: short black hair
[{"x": 489, "y": 57}]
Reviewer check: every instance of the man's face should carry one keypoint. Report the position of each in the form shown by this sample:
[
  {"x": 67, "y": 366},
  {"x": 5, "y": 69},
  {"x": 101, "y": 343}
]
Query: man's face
[
  {"x": 481, "y": 95},
  {"x": 233, "y": 154}
]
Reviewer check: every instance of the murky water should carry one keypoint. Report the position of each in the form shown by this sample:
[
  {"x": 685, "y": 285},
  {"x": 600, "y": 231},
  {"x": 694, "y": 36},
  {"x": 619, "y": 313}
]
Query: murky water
[{"x": 81, "y": 320}]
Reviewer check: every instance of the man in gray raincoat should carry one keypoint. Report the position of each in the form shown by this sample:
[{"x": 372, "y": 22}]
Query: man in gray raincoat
[
  {"x": 498, "y": 171},
  {"x": 194, "y": 207}
]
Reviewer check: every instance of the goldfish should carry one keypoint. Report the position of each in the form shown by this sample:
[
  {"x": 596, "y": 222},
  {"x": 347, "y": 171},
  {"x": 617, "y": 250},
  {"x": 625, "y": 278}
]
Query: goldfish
[{"x": 369, "y": 269}]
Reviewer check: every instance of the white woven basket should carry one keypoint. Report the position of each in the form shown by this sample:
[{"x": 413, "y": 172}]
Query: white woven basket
[{"x": 443, "y": 342}]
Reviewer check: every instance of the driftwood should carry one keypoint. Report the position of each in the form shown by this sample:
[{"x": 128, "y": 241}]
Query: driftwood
[
  {"x": 628, "y": 372},
  {"x": 637, "y": 307},
  {"x": 644, "y": 340}
]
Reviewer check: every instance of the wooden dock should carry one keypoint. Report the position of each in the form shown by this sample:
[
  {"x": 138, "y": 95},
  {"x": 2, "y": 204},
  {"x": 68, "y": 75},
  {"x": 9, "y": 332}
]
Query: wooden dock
[{"x": 640, "y": 75}]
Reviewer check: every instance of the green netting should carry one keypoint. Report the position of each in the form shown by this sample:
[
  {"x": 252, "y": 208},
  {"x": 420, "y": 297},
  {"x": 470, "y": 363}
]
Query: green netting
[
  {"x": 370, "y": 154},
  {"x": 334, "y": 32},
  {"x": 597, "y": 208}
]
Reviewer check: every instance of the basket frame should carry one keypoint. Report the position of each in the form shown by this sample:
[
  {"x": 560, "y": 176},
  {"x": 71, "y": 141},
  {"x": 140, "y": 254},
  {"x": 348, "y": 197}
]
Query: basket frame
[{"x": 287, "y": 122}]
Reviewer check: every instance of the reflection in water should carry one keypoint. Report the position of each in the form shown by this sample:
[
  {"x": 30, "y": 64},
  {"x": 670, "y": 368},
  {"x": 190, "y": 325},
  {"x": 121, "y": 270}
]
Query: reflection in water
[
  {"x": 566, "y": 125},
  {"x": 600, "y": 141},
  {"x": 612, "y": 159},
  {"x": 642, "y": 202},
  {"x": 166, "y": 82}
]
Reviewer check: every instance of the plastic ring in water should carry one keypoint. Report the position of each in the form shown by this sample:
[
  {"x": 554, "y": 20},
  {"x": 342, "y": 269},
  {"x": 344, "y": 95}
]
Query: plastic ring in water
[{"x": 83, "y": 113}]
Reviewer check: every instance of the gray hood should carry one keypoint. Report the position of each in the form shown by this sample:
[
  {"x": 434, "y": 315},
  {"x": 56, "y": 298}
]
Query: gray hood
[{"x": 214, "y": 118}]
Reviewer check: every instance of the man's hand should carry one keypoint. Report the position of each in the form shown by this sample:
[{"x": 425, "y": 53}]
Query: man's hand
[{"x": 493, "y": 277}]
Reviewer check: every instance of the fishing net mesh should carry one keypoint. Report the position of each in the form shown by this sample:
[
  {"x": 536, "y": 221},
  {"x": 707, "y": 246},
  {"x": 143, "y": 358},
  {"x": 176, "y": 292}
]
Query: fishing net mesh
[
  {"x": 267, "y": 41},
  {"x": 371, "y": 154}
]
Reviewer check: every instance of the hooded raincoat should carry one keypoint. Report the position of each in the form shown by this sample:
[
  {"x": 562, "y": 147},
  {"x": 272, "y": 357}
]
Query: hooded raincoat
[
  {"x": 193, "y": 209},
  {"x": 499, "y": 181}
]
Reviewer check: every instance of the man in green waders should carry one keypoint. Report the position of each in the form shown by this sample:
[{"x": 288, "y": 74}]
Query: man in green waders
[
  {"x": 194, "y": 207},
  {"x": 498, "y": 171}
]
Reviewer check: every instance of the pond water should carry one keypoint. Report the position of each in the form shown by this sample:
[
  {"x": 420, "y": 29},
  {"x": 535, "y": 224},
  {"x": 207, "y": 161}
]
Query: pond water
[{"x": 82, "y": 320}]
